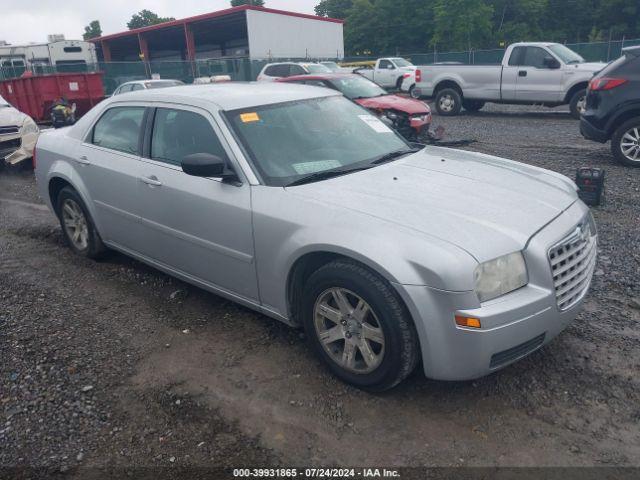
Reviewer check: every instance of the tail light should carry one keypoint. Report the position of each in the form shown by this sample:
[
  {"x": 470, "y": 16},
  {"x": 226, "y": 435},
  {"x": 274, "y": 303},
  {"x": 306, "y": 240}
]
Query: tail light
[
  {"x": 418, "y": 75},
  {"x": 606, "y": 83}
]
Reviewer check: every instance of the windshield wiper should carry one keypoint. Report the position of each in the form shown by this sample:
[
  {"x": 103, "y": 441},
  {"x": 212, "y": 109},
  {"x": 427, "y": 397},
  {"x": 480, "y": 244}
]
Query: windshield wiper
[
  {"x": 316, "y": 177},
  {"x": 394, "y": 155}
]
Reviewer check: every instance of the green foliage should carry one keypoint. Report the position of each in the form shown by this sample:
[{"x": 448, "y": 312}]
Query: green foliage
[
  {"x": 144, "y": 18},
  {"x": 390, "y": 26},
  {"x": 93, "y": 30},
  {"x": 256, "y": 3}
]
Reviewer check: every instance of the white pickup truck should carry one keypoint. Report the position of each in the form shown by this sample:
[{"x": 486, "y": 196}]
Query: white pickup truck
[
  {"x": 388, "y": 72},
  {"x": 548, "y": 74}
]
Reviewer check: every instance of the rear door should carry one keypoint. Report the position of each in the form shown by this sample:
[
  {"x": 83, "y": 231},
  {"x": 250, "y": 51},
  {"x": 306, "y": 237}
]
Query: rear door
[
  {"x": 201, "y": 227},
  {"x": 108, "y": 162},
  {"x": 537, "y": 82}
]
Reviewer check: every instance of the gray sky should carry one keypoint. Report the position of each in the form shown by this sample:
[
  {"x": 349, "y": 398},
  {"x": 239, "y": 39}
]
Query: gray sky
[{"x": 23, "y": 21}]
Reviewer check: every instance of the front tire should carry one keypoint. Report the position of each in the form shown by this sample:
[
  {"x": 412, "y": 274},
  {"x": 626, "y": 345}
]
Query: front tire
[
  {"x": 358, "y": 326},
  {"x": 578, "y": 103},
  {"x": 448, "y": 102},
  {"x": 77, "y": 226},
  {"x": 625, "y": 143}
]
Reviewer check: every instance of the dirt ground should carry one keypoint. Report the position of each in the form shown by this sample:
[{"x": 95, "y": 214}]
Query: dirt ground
[{"x": 113, "y": 363}]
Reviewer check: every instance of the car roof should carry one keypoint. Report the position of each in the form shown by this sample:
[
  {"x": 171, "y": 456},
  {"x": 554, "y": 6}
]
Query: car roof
[
  {"x": 150, "y": 81},
  {"x": 228, "y": 95},
  {"x": 533, "y": 44},
  {"x": 319, "y": 76}
]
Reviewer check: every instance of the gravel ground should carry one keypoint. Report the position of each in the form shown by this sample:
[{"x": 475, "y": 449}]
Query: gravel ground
[{"x": 112, "y": 366}]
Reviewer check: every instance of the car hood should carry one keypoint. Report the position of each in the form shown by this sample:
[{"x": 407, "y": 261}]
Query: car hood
[
  {"x": 589, "y": 66},
  {"x": 395, "y": 102},
  {"x": 11, "y": 116},
  {"x": 485, "y": 205}
]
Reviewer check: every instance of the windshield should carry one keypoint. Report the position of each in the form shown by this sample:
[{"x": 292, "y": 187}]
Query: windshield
[
  {"x": 565, "y": 54},
  {"x": 401, "y": 62},
  {"x": 317, "y": 68},
  {"x": 355, "y": 86},
  {"x": 163, "y": 84},
  {"x": 289, "y": 141},
  {"x": 331, "y": 66}
]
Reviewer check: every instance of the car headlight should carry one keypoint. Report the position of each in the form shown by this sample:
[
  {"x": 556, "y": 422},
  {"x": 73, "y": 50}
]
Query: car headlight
[
  {"x": 29, "y": 126},
  {"x": 500, "y": 276}
]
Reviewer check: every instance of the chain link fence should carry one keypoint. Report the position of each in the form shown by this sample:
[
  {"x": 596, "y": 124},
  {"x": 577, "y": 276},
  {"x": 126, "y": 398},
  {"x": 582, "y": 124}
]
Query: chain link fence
[{"x": 244, "y": 69}]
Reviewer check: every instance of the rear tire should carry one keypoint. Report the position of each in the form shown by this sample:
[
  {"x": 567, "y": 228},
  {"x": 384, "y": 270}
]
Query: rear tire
[
  {"x": 77, "y": 225},
  {"x": 368, "y": 337},
  {"x": 578, "y": 103},
  {"x": 472, "y": 105},
  {"x": 414, "y": 92},
  {"x": 448, "y": 102},
  {"x": 625, "y": 143}
]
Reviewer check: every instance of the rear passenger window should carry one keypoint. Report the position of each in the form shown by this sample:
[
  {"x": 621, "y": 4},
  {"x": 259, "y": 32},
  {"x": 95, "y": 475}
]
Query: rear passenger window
[
  {"x": 119, "y": 129},
  {"x": 271, "y": 71},
  {"x": 178, "y": 133}
]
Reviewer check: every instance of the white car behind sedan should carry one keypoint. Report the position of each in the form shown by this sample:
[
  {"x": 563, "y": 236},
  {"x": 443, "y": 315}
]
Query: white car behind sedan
[{"x": 18, "y": 135}]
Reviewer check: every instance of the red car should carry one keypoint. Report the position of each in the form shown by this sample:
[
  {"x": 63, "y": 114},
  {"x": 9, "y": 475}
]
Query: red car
[{"x": 410, "y": 117}]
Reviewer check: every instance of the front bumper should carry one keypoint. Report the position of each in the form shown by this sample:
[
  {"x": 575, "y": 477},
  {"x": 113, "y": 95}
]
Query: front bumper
[
  {"x": 17, "y": 148},
  {"x": 513, "y": 325}
]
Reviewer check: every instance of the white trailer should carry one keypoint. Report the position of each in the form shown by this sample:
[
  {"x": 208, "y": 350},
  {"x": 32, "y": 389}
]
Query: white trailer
[{"x": 64, "y": 52}]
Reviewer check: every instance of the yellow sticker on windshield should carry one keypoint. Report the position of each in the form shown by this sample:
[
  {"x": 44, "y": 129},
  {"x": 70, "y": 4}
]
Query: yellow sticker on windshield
[{"x": 249, "y": 117}]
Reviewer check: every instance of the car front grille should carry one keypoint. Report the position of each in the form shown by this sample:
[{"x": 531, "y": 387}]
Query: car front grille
[
  {"x": 572, "y": 263},
  {"x": 519, "y": 351},
  {"x": 9, "y": 130},
  {"x": 9, "y": 146}
]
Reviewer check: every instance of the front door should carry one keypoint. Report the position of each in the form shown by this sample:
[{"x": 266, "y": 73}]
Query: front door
[
  {"x": 201, "y": 227},
  {"x": 108, "y": 163},
  {"x": 537, "y": 82}
]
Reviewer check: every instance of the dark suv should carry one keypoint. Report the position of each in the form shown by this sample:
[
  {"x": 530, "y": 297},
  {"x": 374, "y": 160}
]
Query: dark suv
[{"x": 613, "y": 107}]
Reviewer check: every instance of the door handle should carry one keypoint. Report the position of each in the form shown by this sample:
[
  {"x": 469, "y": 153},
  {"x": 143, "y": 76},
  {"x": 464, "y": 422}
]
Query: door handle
[
  {"x": 153, "y": 181},
  {"x": 522, "y": 73},
  {"x": 83, "y": 160}
]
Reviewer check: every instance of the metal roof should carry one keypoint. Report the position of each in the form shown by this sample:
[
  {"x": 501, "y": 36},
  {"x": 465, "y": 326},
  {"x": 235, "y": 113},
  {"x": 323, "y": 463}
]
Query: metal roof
[{"x": 211, "y": 15}]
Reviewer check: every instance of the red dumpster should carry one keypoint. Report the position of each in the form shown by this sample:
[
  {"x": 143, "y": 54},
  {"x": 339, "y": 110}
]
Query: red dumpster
[{"x": 34, "y": 95}]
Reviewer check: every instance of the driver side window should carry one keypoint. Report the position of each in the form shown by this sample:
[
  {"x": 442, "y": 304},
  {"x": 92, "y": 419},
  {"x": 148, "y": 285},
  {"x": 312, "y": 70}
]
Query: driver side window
[
  {"x": 534, "y": 57},
  {"x": 178, "y": 133},
  {"x": 386, "y": 64}
]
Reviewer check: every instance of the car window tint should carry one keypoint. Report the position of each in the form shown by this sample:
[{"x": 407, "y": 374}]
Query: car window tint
[
  {"x": 119, "y": 129},
  {"x": 178, "y": 133},
  {"x": 516, "y": 56},
  {"x": 271, "y": 71},
  {"x": 296, "y": 70},
  {"x": 385, "y": 64},
  {"x": 534, "y": 57},
  {"x": 137, "y": 86}
]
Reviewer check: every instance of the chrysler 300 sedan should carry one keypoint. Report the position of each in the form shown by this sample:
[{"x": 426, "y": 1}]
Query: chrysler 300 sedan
[{"x": 300, "y": 204}]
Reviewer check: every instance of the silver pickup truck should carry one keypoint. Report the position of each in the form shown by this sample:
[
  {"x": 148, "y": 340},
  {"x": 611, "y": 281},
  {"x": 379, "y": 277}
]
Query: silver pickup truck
[{"x": 548, "y": 74}]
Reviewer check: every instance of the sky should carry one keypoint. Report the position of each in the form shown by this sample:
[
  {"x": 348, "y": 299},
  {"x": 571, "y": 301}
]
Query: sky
[{"x": 24, "y": 21}]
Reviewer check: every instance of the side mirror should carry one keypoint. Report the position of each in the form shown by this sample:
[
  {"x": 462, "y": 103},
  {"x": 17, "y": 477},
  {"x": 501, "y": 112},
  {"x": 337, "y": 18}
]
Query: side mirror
[
  {"x": 204, "y": 165},
  {"x": 551, "y": 63}
]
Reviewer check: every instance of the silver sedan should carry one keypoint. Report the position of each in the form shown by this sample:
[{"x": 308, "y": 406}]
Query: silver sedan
[{"x": 298, "y": 203}]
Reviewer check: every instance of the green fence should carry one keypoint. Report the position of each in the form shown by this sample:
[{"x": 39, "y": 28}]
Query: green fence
[{"x": 116, "y": 73}]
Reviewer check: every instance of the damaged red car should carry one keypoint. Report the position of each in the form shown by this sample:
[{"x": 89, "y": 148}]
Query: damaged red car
[{"x": 409, "y": 117}]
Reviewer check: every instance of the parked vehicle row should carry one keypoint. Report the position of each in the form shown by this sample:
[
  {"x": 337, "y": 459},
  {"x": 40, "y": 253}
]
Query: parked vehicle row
[
  {"x": 389, "y": 72},
  {"x": 531, "y": 73},
  {"x": 613, "y": 108},
  {"x": 300, "y": 204}
]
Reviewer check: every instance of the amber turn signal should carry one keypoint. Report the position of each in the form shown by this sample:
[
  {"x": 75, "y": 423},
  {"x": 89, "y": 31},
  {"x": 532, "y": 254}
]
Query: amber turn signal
[{"x": 468, "y": 322}]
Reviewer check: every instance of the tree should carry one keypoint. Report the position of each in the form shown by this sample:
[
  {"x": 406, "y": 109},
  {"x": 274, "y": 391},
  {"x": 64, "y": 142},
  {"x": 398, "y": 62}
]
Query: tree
[
  {"x": 255, "y": 3},
  {"x": 334, "y": 8},
  {"x": 461, "y": 24},
  {"x": 93, "y": 30},
  {"x": 144, "y": 18}
]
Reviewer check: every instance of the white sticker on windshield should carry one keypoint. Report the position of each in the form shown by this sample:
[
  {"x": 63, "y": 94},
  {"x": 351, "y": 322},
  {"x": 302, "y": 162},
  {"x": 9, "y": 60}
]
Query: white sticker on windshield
[
  {"x": 313, "y": 167},
  {"x": 375, "y": 123}
]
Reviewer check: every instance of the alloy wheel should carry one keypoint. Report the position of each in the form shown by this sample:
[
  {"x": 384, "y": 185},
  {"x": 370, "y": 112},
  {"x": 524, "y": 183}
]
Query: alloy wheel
[
  {"x": 349, "y": 330},
  {"x": 630, "y": 144},
  {"x": 75, "y": 224}
]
